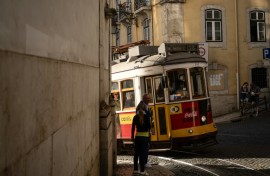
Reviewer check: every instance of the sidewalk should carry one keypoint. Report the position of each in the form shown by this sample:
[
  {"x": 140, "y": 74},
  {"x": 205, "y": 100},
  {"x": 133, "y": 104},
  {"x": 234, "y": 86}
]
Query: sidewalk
[
  {"x": 235, "y": 117},
  {"x": 125, "y": 163},
  {"x": 231, "y": 117}
]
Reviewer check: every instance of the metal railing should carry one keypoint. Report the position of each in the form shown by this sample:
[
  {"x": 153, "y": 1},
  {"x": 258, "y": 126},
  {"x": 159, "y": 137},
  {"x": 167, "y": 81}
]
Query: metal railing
[
  {"x": 249, "y": 108},
  {"x": 141, "y": 3},
  {"x": 125, "y": 10}
]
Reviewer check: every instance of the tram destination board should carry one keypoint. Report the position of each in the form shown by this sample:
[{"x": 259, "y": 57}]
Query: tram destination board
[{"x": 178, "y": 47}]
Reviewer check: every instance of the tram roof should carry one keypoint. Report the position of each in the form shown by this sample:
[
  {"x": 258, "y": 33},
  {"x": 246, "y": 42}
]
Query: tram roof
[{"x": 155, "y": 60}]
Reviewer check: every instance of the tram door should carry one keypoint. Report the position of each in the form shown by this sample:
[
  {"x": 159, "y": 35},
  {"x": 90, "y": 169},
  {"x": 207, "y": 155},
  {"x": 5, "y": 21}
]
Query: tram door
[{"x": 160, "y": 115}]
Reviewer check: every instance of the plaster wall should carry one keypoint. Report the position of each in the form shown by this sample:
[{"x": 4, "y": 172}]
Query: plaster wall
[
  {"x": 168, "y": 25},
  {"x": 248, "y": 52},
  {"x": 184, "y": 22},
  {"x": 225, "y": 55}
]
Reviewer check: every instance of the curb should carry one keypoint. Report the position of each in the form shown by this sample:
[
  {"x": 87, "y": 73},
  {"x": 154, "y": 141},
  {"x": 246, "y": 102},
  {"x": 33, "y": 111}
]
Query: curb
[{"x": 227, "y": 118}]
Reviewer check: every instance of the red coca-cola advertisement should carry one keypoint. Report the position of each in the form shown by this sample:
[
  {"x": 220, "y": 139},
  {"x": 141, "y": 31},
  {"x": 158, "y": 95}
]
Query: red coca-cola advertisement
[{"x": 189, "y": 117}]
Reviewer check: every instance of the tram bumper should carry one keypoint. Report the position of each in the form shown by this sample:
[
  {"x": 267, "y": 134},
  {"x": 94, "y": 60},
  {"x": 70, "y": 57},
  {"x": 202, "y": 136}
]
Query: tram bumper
[{"x": 197, "y": 142}]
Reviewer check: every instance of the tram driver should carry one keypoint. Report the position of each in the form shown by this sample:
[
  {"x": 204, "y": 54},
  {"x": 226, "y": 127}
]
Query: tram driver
[{"x": 180, "y": 87}]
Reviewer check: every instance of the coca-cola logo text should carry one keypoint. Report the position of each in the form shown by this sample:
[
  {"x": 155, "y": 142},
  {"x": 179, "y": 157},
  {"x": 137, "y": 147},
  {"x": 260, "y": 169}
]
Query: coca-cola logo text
[{"x": 191, "y": 114}]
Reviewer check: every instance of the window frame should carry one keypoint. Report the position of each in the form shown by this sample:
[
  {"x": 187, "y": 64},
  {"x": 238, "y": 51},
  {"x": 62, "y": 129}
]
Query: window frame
[
  {"x": 155, "y": 90},
  {"x": 151, "y": 94},
  {"x": 113, "y": 91},
  {"x": 123, "y": 92},
  {"x": 129, "y": 34},
  {"x": 203, "y": 82},
  {"x": 213, "y": 21},
  {"x": 267, "y": 36},
  {"x": 186, "y": 83},
  {"x": 212, "y": 44},
  {"x": 146, "y": 28},
  {"x": 255, "y": 37}
]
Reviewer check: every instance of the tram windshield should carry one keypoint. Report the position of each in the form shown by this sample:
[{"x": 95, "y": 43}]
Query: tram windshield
[
  {"x": 197, "y": 81},
  {"x": 154, "y": 87},
  {"x": 148, "y": 84},
  {"x": 178, "y": 86},
  {"x": 159, "y": 89}
]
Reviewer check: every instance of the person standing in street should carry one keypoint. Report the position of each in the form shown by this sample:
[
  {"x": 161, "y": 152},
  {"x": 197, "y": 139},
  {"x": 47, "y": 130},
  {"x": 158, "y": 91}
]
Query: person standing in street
[
  {"x": 254, "y": 96},
  {"x": 143, "y": 105},
  {"x": 142, "y": 125},
  {"x": 244, "y": 92}
]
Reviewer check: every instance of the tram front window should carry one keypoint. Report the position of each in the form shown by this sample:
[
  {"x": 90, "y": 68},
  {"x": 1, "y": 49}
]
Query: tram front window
[
  {"x": 178, "y": 84},
  {"x": 148, "y": 83},
  {"x": 159, "y": 89},
  {"x": 197, "y": 82}
]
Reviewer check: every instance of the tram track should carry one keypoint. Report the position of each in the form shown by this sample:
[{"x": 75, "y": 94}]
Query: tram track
[
  {"x": 209, "y": 165},
  {"x": 189, "y": 164}
]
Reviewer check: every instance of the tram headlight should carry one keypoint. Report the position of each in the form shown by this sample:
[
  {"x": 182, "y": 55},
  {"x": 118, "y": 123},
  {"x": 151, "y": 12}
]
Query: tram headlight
[
  {"x": 190, "y": 131},
  {"x": 203, "y": 118}
]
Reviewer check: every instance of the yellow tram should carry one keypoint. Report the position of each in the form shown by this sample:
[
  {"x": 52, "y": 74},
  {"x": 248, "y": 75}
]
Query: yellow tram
[{"x": 174, "y": 76}]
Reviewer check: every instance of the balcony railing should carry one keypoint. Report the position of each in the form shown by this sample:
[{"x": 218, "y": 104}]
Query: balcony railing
[
  {"x": 141, "y": 3},
  {"x": 125, "y": 10}
]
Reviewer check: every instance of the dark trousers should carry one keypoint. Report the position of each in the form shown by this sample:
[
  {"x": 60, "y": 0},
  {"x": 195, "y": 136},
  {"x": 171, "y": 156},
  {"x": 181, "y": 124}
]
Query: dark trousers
[
  {"x": 140, "y": 152},
  {"x": 147, "y": 152}
]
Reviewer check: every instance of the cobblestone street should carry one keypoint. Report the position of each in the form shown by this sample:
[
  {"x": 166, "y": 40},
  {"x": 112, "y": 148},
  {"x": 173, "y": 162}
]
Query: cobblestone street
[{"x": 243, "y": 149}]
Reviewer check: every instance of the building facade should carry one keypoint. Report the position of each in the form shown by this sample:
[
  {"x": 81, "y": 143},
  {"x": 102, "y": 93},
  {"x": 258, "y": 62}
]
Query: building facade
[
  {"x": 55, "y": 88},
  {"x": 232, "y": 33}
]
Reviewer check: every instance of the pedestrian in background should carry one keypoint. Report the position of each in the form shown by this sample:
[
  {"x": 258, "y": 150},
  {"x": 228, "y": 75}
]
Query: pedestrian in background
[
  {"x": 254, "y": 96},
  {"x": 143, "y": 105},
  {"x": 244, "y": 92},
  {"x": 142, "y": 125}
]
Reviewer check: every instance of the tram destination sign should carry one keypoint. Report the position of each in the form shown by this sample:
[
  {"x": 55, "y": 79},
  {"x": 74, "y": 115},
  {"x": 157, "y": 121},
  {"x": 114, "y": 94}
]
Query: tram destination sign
[{"x": 178, "y": 47}]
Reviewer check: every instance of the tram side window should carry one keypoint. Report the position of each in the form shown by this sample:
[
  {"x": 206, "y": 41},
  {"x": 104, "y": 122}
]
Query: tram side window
[
  {"x": 128, "y": 94},
  {"x": 178, "y": 84},
  {"x": 127, "y": 84},
  {"x": 115, "y": 95},
  {"x": 148, "y": 85},
  {"x": 197, "y": 82},
  {"x": 159, "y": 89},
  {"x": 115, "y": 86}
]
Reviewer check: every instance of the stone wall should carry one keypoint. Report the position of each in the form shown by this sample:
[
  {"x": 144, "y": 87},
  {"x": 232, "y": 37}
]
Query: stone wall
[
  {"x": 223, "y": 104},
  {"x": 50, "y": 87}
]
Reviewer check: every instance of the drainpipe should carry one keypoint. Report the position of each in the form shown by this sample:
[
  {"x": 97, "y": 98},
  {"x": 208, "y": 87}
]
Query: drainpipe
[
  {"x": 152, "y": 26},
  {"x": 237, "y": 51}
]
